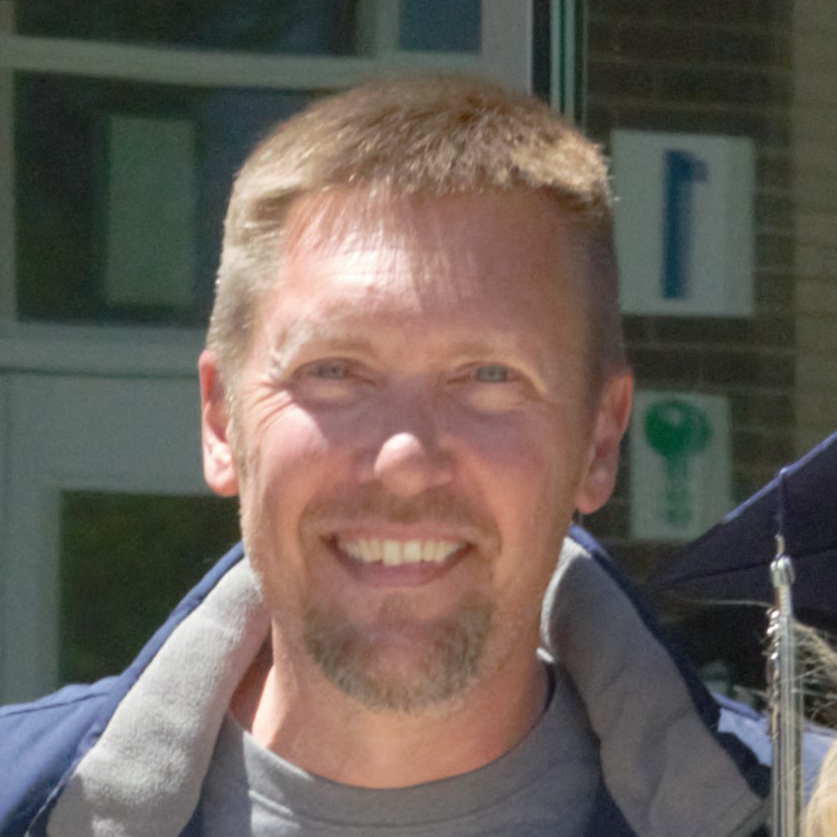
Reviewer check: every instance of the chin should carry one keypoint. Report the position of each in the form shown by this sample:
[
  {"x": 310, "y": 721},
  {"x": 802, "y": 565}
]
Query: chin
[{"x": 399, "y": 665}]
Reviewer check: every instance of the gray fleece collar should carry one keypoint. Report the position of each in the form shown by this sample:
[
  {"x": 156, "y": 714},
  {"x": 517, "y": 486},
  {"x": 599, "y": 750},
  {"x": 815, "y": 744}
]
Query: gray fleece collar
[
  {"x": 667, "y": 773},
  {"x": 143, "y": 777}
]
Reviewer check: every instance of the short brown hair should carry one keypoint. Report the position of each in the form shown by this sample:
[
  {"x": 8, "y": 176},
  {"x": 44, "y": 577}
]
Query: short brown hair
[{"x": 423, "y": 135}]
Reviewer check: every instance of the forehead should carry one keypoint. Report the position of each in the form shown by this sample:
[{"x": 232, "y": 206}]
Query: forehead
[
  {"x": 343, "y": 217},
  {"x": 493, "y": 233},
  {"x": 498, "y": 260}
]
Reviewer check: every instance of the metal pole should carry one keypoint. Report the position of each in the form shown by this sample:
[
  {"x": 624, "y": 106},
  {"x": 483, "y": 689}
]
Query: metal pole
[{"x": 785, "y": 698}]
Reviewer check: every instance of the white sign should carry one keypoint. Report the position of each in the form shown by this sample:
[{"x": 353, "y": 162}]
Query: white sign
[
  {"x": 680, "y": 464},
  {"x": 684, "y": 223}
]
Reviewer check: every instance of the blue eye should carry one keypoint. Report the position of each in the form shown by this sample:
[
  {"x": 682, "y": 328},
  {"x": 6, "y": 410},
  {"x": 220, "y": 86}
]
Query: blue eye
[
  {"x": 330, "y": 369},
  {"x": 331, "y": 382},
  {"x": 492, "y": 373}
]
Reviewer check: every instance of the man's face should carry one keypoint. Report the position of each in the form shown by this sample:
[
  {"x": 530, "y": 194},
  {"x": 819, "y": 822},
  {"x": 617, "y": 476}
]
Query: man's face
[{"x": 415, "y": 432}]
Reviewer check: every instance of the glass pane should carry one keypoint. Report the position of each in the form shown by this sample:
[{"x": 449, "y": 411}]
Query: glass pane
[
  {"x": 120, "y": 194},
  {"x": 440, "y": 26},
  {"x": 324, "y": 27},
  {"x": 126, "y": 561}
]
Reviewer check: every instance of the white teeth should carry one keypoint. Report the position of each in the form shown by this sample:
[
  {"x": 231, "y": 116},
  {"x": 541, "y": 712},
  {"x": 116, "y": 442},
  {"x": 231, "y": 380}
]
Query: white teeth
[
  {"x": 392, "y": 553},
  {"x": 356, "y": 549},
  {"x": 395, "y": 553}
]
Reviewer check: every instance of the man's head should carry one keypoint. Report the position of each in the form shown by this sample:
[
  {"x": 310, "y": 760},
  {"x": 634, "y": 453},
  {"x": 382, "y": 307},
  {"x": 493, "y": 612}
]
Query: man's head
[
  {"x": 423, "y": 390},
  {"x": 430, "y": 137}
]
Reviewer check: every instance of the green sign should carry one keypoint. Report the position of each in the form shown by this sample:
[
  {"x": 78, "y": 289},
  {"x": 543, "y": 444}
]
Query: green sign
[{"x": 677, "y": 431}]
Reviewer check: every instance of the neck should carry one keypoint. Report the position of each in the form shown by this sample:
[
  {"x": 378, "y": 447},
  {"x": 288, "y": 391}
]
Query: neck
[{"x": 307, "y": 721}]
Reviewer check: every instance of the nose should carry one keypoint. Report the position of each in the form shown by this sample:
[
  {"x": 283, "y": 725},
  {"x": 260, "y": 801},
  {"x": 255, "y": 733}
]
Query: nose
[{"x": 408, "y": 463}]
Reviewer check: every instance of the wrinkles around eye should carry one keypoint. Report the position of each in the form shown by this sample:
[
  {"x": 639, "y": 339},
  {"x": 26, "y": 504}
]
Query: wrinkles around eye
[
  {"x": 489, "y": 387},
  {"x": 492, "y": 388},
  {"x": 329, "y": 382}
]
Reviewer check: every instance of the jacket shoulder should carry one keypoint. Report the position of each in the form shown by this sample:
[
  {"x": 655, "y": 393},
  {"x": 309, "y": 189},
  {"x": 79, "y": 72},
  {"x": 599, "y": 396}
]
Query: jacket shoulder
[{"x": 38, "y": 743}]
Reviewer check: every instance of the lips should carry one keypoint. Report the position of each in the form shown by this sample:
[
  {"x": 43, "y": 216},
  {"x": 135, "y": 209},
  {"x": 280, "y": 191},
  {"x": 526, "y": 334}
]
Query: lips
[{"x": 398, "y": 553}]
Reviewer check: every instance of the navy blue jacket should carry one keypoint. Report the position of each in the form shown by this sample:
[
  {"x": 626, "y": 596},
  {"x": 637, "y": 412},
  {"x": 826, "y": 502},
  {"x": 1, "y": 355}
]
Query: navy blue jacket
[{"x": 43, "y": 744}]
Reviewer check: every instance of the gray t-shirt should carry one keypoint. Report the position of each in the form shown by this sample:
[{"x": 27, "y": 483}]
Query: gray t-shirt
[{"x": 544, "y": 786}]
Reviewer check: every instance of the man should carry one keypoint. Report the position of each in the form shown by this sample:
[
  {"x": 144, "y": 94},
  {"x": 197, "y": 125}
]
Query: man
[{"x": 414, "y": 378}]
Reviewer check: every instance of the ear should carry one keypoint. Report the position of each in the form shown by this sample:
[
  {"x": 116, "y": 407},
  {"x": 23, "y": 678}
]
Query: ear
[
  {"x": 219, "y": 467},
  {"x": 610, "y": 423}
]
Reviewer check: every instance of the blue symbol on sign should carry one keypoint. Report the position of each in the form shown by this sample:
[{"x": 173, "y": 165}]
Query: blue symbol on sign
[{"x": 682, "y": 171}]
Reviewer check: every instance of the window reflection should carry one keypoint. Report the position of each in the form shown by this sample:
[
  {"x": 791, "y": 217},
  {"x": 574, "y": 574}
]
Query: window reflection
[
  {"x": 85, "y": 149},
  {"x": 126, "y": 560},
  {"x": 326, "y": 27},
  {"x": 440, "y": 26}
]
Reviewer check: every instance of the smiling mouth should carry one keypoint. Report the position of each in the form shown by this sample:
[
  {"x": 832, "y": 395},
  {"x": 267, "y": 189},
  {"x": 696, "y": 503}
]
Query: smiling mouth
[{"x": 393, "y": 553}]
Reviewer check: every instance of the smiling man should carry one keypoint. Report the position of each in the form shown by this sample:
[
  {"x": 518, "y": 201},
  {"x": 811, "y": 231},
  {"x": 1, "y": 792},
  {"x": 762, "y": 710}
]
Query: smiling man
[
  {"x": 418, "y": 421},
  {"x": 414, "y": 378}
]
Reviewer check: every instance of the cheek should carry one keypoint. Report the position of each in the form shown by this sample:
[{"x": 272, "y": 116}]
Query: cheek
[
  {"x": 287, "y": 457},
  {"x": 530, "y": 477},
  {"x": 528, "y": 458},
  {"x": 280, "y": 436},
  {"x": 289, "y": 461}
]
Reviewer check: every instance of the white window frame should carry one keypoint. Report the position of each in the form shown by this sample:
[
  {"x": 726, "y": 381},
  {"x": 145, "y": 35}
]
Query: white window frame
[{"x": 69, "y": 434}]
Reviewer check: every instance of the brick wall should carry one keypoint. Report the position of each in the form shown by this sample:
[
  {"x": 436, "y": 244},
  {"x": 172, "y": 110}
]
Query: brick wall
[
  {"x": 814, "y": 157},
  {"x": 720, "y": 67}
]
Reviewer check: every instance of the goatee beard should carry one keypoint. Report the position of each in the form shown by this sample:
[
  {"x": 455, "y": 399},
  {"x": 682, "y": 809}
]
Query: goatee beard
[{"x": 446, "y": 662}]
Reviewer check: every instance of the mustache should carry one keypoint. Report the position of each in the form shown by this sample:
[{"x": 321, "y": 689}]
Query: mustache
[{"x": 371, "y": 503}]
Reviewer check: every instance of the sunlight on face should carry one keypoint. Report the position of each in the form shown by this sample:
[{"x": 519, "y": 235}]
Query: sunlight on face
[{"x": 415, "y": 420}]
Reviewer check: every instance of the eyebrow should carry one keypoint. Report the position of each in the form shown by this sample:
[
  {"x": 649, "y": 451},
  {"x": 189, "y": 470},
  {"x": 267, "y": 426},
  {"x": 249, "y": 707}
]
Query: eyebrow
[
  {"x": 302, "y": 334},
  {"x": 333, "y": 336}
]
